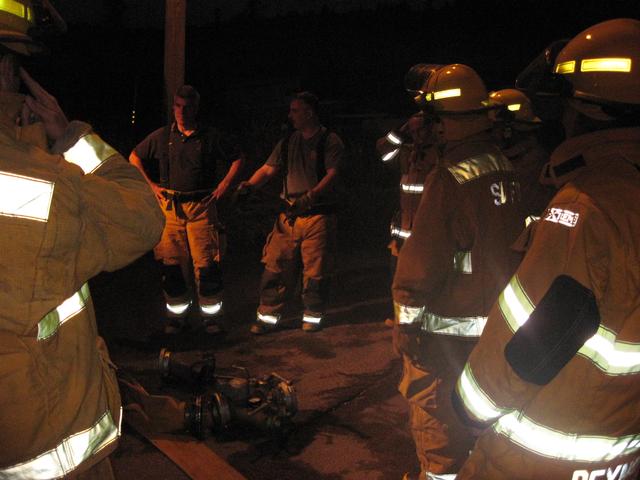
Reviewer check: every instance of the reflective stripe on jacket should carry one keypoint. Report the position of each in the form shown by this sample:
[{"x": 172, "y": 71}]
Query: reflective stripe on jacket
[
  {"x": 585, "y": 418},
  {"x": 63, "y": 219}
]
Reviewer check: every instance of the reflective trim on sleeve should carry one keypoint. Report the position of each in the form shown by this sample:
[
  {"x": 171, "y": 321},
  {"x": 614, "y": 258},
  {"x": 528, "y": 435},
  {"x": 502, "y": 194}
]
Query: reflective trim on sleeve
[
  {"x": 531, "y": 219},
  {"x": 270, "y": 319},
  {"x": 611, "y": 356},
  {"x": 441, "y": 476},
  {"x": 25, "y": 197},
  {"x": 407, "y": 315},
  {"x": 73, "y": 305},
  {"x": 311, "y": 319},
  {"x": 390, "y": 155},
  {"x": 18, "y": 9},
  {"x": 457, "y": 326},
  {"x": 475, "y": 400},
  {"x": 475, "y": 167},
  {"x": 399, "y": 232},
  {"x": 515, "y": 304},
  {"x": 69, "y": 454},
  {"x": 565, "y": 446},
  {"x": 178, "y": 308},
  {"x": 412, "y": 187},
  {"x": 393, "y": 138},
  {"x": 462, "y": 262},
  {"x": 89, "y": 152},
  {"x": 211, "y": 309}
]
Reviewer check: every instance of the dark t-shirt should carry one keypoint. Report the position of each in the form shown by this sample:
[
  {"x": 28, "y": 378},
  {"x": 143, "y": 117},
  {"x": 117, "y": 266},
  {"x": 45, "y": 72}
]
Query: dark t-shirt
[
  {"x": 302, "y": 170},
  {"x": 197, "y": 162}
]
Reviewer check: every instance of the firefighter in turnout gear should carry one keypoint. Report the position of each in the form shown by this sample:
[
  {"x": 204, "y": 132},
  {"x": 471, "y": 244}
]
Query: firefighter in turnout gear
[
  {"x": 516, "y": 127},
  {"x": 67, "y": 212},
  {"x": 554, "y": 380},
  {"x": 310, "y": 159},
  {"x": 182, "y": 164},
  {"x": 454, "y": 264}
]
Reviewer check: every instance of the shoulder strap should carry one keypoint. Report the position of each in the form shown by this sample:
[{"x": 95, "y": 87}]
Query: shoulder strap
[
  {"x": 321, "y": 148},
  {"x": 284, "y": 161},
  {"x": 164, "y": 159}
]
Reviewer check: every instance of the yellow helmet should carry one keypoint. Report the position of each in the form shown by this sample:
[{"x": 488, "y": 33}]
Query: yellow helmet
[
  {"x": 17, "y": 17},
  {"x": 602, "y": 63},
  {"x": 453, "y": 89},
  {"x": 515, "y": 106}
]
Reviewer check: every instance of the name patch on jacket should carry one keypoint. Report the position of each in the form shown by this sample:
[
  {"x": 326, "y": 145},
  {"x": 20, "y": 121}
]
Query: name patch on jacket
[{"x": 563, "y": 217}]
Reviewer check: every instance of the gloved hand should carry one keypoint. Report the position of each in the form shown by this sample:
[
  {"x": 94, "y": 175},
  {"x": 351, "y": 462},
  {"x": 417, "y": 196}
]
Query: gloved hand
[
  {"x": 300, "y": 205},
  {"x": 242, "y": 193}
]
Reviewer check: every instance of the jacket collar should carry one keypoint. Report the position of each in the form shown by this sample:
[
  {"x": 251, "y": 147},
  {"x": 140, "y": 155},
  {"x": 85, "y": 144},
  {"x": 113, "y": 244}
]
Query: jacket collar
[{"x": 575, "y": 154}]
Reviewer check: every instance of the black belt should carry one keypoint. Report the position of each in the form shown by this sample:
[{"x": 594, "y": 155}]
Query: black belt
[{"x": 186, "y": 196}]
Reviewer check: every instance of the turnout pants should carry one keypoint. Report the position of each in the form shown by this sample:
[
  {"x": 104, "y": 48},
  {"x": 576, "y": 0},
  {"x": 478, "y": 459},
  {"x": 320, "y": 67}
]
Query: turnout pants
[
  {"x": 308, "y": 242},
  {"x": 431, "y": 367},
  {"x": 192, "y": 241}
]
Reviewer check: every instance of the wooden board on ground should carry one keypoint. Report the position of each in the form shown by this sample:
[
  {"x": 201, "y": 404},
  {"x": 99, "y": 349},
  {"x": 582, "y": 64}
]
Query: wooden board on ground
[{"x": 194, "y": 458}]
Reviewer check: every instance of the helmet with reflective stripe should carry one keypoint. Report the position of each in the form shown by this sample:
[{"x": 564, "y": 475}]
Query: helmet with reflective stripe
[
  {"x": 602, "y": 63},
  {"x": 514, "y": 104},
  {"x": 453, "y": 89}
]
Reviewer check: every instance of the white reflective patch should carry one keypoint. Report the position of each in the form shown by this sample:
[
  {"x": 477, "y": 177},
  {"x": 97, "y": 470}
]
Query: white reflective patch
[
  {"x": 475, "y": 399},
  {"x": 311, "y": 319},
  {"x": 83, "y": 155},
  {"x": 399, "y": 232},
  {"x": 393, "y": 138},
  {"x": 566, "y": 446},
  {"x": 388, "y": 156},
  {"x": 441, "y": 476},
  {"x": 412, "y": 188},
  {"x": 25, "y": 197},
  {"x": 270, "y": 319},
  {"x": 179, "y": 308},
  {"x": 563, "y": 217},
  {"x": 531, "y": 219},
  {"x": 456, "y": 326},
  {"x": 211, "y": 309},
  {"x": 407, "y": 315}
]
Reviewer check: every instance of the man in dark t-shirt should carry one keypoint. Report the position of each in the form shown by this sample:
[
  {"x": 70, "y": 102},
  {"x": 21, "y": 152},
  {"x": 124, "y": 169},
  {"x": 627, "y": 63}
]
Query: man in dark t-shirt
[
  {"x": 189, "y": 167},
  {"x": 310, "y": 159}
]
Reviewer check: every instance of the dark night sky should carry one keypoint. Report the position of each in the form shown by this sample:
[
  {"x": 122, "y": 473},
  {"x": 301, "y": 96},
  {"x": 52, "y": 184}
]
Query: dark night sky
[{"x": 354, "y": 53}]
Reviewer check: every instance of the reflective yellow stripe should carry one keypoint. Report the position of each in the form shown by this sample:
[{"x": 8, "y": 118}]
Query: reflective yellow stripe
[
  {"x": 559, "y": 445},
  {"x": 25, "y": 197},
  {"x": 89, "y": 152},
  {"x": 73, "y": 305},
  {"x": 606, "y": 65},
  {"x": 611, "y": 356},
  {"x": 453, "y": 92},
  {"x": 211, "y": 310},
  {"x": 16, "y": 8},
  {"x": 566, "y": 67},
  {"x": 462, "y": 262},
  {"x": 514, "y": 107},
  {"x": 457, "y": 326},
  {"x": 475, "y": 167},
  {"x": 475, "y": 400},
  {"x": 69, "y": 454},
  {"x": 388, "y": 156},
  {"x": 515, "y": 304},
  {"x": 407, "y": 315}
]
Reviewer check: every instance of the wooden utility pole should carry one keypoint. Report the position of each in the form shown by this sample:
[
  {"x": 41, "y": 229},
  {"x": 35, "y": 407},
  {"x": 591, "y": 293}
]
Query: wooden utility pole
[{"x": 174, "y": 33}]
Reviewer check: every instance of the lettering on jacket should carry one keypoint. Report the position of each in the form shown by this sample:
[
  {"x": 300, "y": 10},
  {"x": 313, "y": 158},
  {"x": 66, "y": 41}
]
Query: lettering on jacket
[
  {"x": 624, "y": 471},
  {"x": 563, "y": 217},
  {"x": 505, "y": 192}
]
